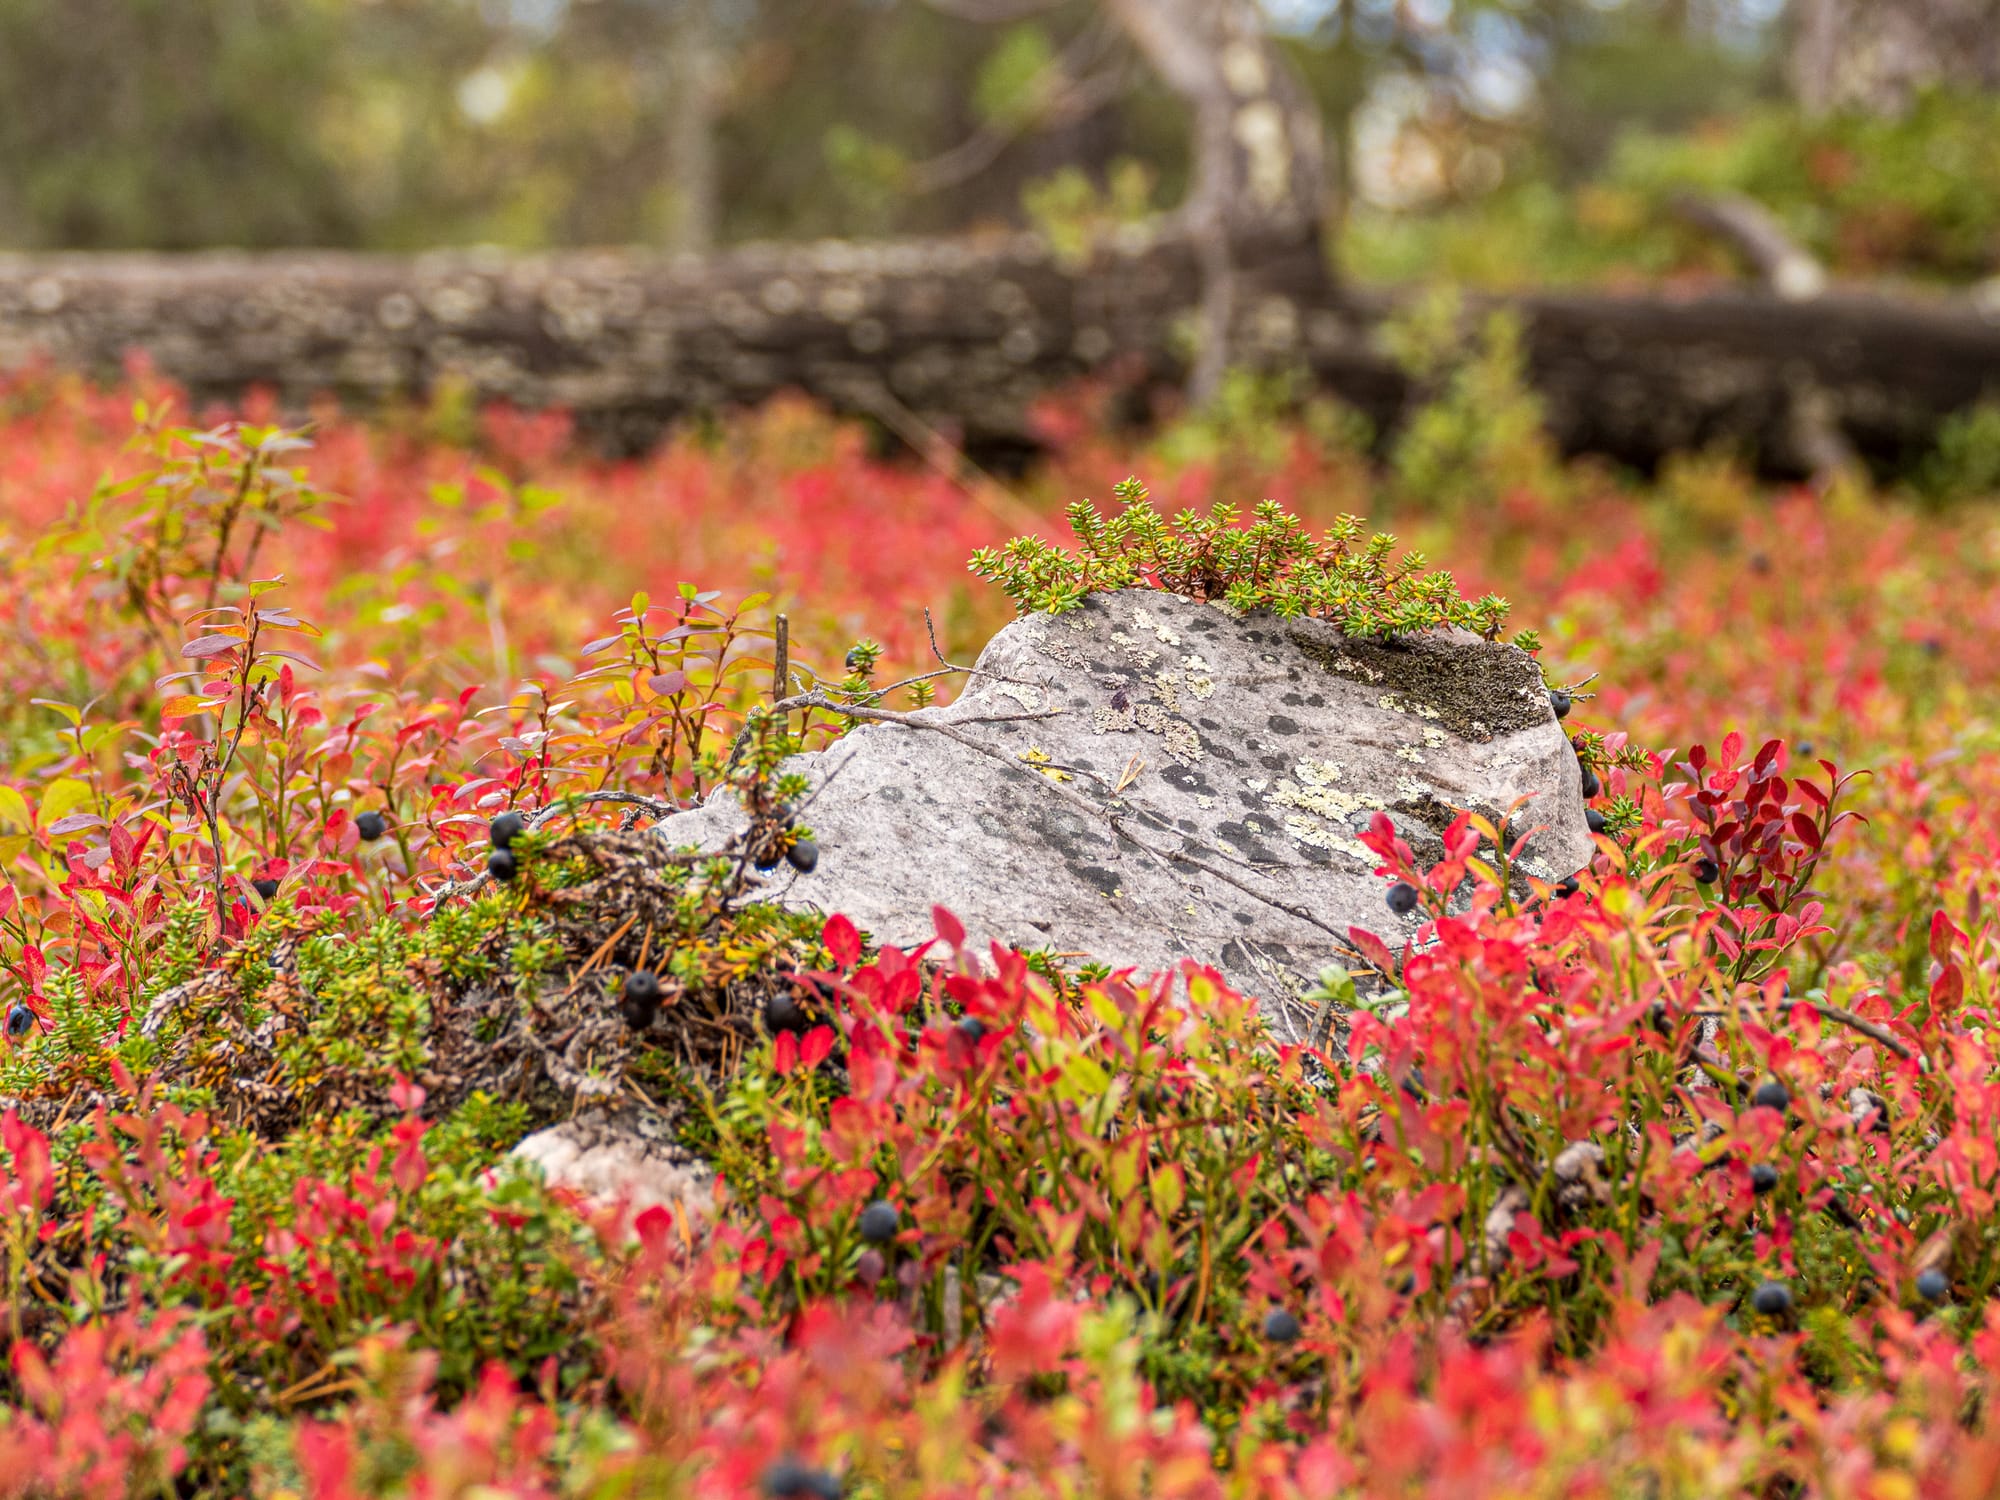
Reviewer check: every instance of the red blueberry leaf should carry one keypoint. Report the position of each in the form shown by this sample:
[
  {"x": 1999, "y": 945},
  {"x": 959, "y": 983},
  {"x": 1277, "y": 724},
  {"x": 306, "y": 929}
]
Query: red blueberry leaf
[
  {"x": 842, "y": 940},
  {"x": 950, "y": 931},
  {"x": 1374, "y": 950}
]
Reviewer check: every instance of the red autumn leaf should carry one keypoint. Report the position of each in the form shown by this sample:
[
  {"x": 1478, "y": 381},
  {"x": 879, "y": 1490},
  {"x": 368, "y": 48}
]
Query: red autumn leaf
[
  {"x": 950, "y": 931},
  {"x": 843, "y": 941}
]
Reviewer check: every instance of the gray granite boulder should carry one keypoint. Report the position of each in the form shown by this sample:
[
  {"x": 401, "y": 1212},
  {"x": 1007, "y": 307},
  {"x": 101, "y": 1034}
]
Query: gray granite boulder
[{"x": 1149, "y": 778}]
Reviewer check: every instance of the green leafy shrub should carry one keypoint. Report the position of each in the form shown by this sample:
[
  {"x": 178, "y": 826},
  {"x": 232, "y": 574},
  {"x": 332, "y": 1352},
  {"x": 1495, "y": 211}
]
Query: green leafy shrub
[{"x": 1274, "y": 563}]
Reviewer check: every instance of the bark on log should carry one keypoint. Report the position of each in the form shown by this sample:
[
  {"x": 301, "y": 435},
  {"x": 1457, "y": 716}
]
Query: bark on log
[{"x": 967, "y": 334}]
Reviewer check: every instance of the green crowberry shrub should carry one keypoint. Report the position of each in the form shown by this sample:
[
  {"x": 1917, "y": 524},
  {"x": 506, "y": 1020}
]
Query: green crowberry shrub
[{"x": 1346, "y": 577}]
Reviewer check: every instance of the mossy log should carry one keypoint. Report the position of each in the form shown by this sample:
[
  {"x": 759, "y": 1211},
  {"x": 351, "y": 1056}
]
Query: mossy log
[{"x": 966, "y": 334}]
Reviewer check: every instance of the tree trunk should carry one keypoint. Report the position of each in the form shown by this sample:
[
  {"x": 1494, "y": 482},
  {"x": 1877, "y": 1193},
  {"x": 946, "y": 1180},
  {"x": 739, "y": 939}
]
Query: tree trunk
[
  {"x": 969, "y": 336},
  {"x": 1877, "y": 54},
  {"x": 691, "y": 130},
  {"x": 1256, "y": 188}
]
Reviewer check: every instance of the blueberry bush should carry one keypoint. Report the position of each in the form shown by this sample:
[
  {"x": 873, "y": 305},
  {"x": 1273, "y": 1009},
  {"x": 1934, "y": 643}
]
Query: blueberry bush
[{"x": 326, "y": 766}]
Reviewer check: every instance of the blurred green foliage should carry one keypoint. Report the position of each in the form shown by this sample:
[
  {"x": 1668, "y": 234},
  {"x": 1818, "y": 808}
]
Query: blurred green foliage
[
  {"x": 1493, "y": 142},
  {"x": 1915, "y": 195}
]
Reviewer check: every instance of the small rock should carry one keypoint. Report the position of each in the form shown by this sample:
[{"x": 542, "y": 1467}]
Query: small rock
[{"x": 607, "y": 1161}]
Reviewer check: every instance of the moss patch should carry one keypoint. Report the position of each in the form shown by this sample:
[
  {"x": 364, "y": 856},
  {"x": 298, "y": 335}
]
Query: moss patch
[{"x": 1477, "y": 689}]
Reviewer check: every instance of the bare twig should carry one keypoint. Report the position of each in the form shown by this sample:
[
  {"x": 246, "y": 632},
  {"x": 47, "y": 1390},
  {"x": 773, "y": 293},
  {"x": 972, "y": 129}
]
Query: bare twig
[
  {"x": 1786, "y": 266},
  {"x": 950, "y": 461},
  {"x": 1071, "y": 95},
  {"x": 651, "y": 805},
  {"x": 994, "y": 12},
  {"x": 781, "y": 667},
  {"x": 1835, "y": 1014}
]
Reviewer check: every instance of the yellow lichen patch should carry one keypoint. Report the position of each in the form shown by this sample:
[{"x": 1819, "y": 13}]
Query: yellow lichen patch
[
  {"x": 1196, "y": 676},
  {"x": 1400, "y": 705},
  {"x": 1319, "y": 802},
  {"x": 1145, "y": 621},
  {"x": 1317, "y": 835},
  {"x": 1038, "y": 758}
]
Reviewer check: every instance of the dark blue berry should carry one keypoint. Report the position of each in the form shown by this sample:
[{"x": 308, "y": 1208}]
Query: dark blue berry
[
  {"x": 1773, "y": 1299},
  {"x": 971, "y": 1027},
  {"x": 371, "y": 826},
  {"x": 1560, "y": 702},
  {"x": 789, "y": 1479},
  {"x": 782, "y": 1012},
  {"x": 1591, "y": 785},
  {"x": 1567, "y": 887},
  {"x": 266, "y": 889},
  {"x": 1281, "y": 1326},
  {"x": 641, "y": 1000},
  {"x": 505, "y": 828},
  {"x": 20, "y": 1021},
  {"x": 803, "y": 854},
  {"x": 1705, "y": 870},
  {"x": 1594, "y": 819},
  {"x": 1933, "y": 1285},
  {"x": 1763, "y": 1178},
  {"x": 878, "y": 1222},
  {"x": 1402, "y": 898},
  {"x": 500, "y": 864},
  {"x": 1772, "y": 1094}
]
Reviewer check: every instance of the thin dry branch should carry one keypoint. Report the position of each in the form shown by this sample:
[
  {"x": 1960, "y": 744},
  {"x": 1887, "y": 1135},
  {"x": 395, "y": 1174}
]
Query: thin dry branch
[
  {"x": 1840, "y": 1017},
  {"x": 1786, "y": 266}
]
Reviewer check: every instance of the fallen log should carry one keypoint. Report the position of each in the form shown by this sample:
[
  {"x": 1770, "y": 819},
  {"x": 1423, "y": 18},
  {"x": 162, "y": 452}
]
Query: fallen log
[{"x": 966, "y": 334}]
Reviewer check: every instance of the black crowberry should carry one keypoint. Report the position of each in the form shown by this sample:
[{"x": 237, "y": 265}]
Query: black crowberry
[
  {"x": 504, "y": 828},
  {"x": 855, "y": 657},
  {"x": 1773, "y": 1299},
  {"x": 1763, "y": 1178},
  {"x": 1567, "y": 887},
  {"x": 1933, "y": 1285},
  {"x": 1281, "y": 1326},
  {"x": 641, "y": 1002},
  {"x": 1772, "y": 1094},
  {"x": 803, "y": 854},
  {"x": 782, "y": 1012},
  {"x": 879, "y": 1221},
  {"x": 788, "y": 1479},
  {"x": 1591, "y": 785},
  {"x": 266, "y": 888},
  {"x": 500, "y": 864},
  {"x": 1560, "y": 702},
  {"x": 1402, "y": 898},
  {"x": 20, "y": 1021},
  {"x": 371, "y": 826},
  {"x": 1594, "y": 818},
  {"x": 1705, "y": 870},
  {"x": 971, "y": 1027}
]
